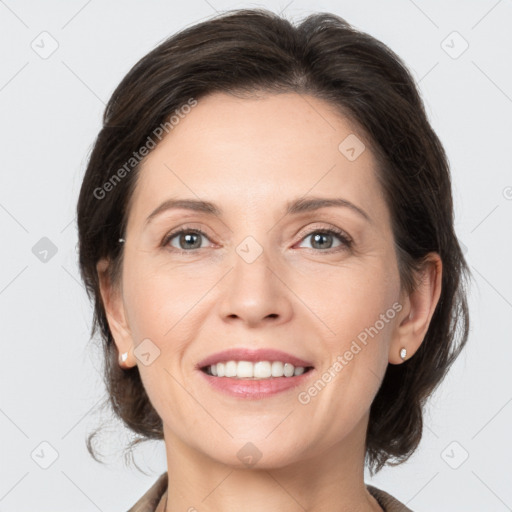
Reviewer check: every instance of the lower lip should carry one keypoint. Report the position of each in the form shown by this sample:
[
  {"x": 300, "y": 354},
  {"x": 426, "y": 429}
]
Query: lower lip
[{"x": 255, "y": 389}]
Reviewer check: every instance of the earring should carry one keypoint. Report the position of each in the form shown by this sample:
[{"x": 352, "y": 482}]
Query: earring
[
  {"x": 403, "y": 353},
  {"x": 123, "y": 357}
]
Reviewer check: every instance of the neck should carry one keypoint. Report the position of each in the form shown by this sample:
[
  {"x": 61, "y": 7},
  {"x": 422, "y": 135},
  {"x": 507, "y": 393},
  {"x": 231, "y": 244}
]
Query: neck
[{"x": 330, "y": 481}]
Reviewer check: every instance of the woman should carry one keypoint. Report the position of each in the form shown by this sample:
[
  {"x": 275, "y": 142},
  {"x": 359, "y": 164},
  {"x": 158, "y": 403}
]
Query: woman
[{"x": 266, "y": 230}]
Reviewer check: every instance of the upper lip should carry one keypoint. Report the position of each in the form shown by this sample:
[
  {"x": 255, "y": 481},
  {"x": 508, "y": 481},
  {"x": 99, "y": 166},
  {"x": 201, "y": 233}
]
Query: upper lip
[{"x": 247, "y": 354}]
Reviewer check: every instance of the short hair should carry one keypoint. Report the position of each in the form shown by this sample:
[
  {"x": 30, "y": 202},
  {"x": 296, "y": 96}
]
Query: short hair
[{"x": 245, "y": 51}]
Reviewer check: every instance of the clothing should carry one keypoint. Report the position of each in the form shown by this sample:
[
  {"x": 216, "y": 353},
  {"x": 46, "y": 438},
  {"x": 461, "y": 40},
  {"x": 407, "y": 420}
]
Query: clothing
[{"x": 150, "y": 500}]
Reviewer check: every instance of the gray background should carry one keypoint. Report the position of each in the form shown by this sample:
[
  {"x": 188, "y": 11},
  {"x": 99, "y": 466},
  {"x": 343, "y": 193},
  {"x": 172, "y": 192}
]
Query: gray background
[{"x": 51, "y": 107}]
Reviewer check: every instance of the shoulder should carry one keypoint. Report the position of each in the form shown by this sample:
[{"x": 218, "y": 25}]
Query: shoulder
[
  {"x": 386, "y": 501},
  {"x": 149, "y": 501}
]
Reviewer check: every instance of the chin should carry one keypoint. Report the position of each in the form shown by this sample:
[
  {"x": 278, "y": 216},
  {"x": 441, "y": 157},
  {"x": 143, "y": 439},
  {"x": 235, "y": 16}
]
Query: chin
[{"x": 258, "y": 455}]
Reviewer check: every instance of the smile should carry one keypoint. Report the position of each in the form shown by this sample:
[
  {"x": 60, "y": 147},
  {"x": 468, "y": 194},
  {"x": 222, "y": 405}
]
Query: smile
[{"x": 254, "y": 370}]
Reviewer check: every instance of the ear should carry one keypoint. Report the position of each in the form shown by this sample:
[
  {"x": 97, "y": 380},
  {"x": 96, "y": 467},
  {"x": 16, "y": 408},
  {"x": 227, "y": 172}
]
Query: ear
[
  {"x": 418, "y": 308},
  {"x": 116, "y": 317}
]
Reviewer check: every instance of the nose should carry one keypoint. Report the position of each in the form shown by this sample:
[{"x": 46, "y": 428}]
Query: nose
[{"x": 255, "y": 293}]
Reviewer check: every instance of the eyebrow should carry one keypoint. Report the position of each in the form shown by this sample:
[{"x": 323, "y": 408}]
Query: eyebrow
[{"x": 306, "y": 204}]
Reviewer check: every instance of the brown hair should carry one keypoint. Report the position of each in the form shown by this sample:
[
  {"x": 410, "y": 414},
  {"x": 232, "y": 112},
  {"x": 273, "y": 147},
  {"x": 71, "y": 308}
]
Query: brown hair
[{"x": 244, "y": 51}]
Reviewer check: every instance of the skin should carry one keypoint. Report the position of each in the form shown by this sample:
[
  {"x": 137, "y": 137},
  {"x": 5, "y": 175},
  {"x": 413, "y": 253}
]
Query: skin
[{"x": 249, "y": 157}]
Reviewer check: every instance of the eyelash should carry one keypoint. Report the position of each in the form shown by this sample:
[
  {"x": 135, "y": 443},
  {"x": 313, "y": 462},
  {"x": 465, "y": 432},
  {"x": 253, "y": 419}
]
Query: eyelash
[{"x": 346, "y": 241}]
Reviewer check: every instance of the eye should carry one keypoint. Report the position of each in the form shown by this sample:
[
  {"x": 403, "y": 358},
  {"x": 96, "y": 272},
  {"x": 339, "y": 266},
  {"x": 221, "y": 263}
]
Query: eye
[
  {"x": 323, "y": 239},
  {"x": 187, "y": 239}
]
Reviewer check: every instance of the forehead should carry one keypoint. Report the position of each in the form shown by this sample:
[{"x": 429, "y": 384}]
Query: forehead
[{"x": 252, "y": 151}]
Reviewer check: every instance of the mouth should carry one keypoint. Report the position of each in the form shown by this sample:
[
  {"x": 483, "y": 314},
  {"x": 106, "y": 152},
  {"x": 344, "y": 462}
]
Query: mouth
[
  {"x": 256, "y": 388},
  {"x": 260, "y": 370},
  {"x": 254, "y": 374},
  {"x": 243, "y": 361}
]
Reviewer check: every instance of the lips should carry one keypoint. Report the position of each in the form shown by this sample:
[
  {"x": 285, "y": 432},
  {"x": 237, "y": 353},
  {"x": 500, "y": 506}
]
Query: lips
[{"x": 244, "y": 354}]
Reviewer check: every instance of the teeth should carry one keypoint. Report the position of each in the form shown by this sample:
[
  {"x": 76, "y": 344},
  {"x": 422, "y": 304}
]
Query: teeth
[{"x": 255, "y": 371}]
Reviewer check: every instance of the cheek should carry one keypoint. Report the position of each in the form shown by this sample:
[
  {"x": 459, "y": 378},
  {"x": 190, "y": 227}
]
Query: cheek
[
  {"x": 349, "y": 300},
  {"x": 357, "y": 361},
  {"x": 357, "y": 309},
  {"x": 156, "y": 297},
  {"x": 166, "y": 306},
  {"x": 145, "y": 301}
]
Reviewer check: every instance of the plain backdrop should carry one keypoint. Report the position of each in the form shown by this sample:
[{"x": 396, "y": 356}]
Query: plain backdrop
[{"x": 60, "y": 62}]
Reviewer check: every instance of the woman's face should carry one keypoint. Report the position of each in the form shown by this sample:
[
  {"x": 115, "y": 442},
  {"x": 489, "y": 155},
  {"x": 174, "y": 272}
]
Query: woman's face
[{"x": 257, "y": 277}]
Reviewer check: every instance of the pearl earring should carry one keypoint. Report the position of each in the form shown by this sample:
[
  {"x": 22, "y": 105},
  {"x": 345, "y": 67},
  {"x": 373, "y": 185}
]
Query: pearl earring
[
  {"x": 123, "y": 357},
  {"x": 403, "y": 353}
]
